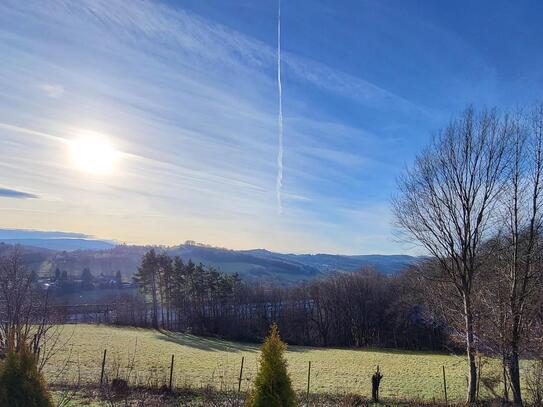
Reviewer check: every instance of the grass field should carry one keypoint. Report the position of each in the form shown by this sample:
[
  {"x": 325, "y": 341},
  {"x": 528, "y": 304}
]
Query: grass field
[{"x": 203, "y": 361}]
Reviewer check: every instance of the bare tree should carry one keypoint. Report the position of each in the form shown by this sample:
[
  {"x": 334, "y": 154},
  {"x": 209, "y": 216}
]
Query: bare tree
[
  {"x": 446, "y": 204},
  {"x": 492, "y": 296},
  {"x": 26, "y": 318},
  {"x": 520, "y": 274}
]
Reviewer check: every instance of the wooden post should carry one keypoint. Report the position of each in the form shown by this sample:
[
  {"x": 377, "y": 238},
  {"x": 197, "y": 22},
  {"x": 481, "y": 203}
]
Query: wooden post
[
  {"x": 478, "y": 375},
  {"x": 505, "y": 386},
  {"x": 240, "y": 377},
  {"x": 171, "y": 373},
  {"x": 445, "y": 386},
  {"x": 308, "y": 381},
  {"x": 240, "y": 373},
  {"x": 103, "y": 367}
]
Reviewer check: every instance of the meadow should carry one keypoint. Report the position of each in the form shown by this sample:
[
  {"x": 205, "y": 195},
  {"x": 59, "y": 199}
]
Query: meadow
[{"x": 144, "y": 356}]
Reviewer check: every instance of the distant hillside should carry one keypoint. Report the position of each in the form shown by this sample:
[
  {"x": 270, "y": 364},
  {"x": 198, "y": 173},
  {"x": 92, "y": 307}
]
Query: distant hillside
[
  {"x": 53, "y": 240},
  {"x": 62, "y": 244},
  {"x": 259, "y": 264},
  {"x": 328, "y": 263}
]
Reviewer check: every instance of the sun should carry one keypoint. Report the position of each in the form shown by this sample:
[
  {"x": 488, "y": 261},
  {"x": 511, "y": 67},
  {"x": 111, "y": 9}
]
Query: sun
[{"x": 92, "y": 153}]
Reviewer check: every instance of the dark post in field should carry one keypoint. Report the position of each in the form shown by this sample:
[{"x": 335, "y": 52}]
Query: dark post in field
[
  {"x": 171, "y": 372},
  {"x": 240, "y": 373},
  {"x": 240, "y": 376},
  {"x": 478, "y": 375},
  {"x": 103, "y": 367},
  {"x": 308, "y": 381},
  {"x": 445, "y": 386},
  {"x": 375, "y": 381}
]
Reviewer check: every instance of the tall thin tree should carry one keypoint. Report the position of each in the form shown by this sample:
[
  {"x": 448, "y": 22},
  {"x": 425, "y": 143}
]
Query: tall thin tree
[
  {"x": 446, "y": 202},
  {"x": 522, "y": 223}
]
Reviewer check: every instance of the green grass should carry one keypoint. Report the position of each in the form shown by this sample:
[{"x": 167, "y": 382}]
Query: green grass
[{"x": 203, "y": 361}]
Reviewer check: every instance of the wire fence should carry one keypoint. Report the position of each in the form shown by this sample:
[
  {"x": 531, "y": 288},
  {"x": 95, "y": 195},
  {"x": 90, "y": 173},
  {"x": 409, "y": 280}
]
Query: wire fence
[{"x": 238, "y": 373}]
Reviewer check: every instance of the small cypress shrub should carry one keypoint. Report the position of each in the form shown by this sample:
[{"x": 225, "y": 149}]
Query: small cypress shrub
[
  {"x": 272, "y": 387},
  {"x": 21, "y": 384}
]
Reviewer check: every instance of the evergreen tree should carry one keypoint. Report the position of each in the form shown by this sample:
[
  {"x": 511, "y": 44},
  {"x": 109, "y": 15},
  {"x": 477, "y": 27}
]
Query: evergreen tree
[
  {"x": 118, "y": 278},
  {"x": 86, "y": 279},
  {"x": 166, "y": 273},
  {"x": 21, "y": 385},
  {"x": 272, "y": 387},
  {"x": 147, "y": 278}
]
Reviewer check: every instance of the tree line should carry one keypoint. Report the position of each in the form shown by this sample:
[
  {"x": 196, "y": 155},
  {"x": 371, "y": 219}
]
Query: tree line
[{"x": 358, "y": 309}]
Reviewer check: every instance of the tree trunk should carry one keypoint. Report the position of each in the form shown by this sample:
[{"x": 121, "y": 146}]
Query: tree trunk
[
  {"x": 514, "y": 373},
  {"x": 155, "y": 302},
  {"x": 505, "y": 382},
  {"x": 470, "y": 350}
]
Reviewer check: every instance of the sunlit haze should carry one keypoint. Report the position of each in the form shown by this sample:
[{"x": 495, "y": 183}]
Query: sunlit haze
[{"x": 93, "y": 154}]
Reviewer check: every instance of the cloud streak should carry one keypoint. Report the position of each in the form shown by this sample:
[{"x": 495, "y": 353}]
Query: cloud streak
[
  {"x": 39, "y": 234},
  {"x": 279, "y": 181},
  {"x": 52, "y": 90},
  {"x": 13, "y": 193}
]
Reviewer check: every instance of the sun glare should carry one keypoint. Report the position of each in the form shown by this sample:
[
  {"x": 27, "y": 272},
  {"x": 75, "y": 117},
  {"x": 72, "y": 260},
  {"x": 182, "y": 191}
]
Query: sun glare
[{"x": 92, "y": 153}]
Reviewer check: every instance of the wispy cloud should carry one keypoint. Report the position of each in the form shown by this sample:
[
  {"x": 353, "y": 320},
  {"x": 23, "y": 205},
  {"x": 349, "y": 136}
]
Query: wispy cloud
[
  {"x": 192, "y": 107},
  {"x": 191, "y": 38},
  {"x": 356, "y": 88},
  {"x": 52, "y": 90},
  {"x": 31, "y": 132},
  {"x": 39, "y": 234},
  {"x": 279, "y": 181},
  {"x": 13, "y": 193}
]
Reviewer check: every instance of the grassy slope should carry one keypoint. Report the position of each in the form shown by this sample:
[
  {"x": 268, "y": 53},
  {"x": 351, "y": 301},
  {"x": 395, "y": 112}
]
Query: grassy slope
[{"x": 202, "y": 361}]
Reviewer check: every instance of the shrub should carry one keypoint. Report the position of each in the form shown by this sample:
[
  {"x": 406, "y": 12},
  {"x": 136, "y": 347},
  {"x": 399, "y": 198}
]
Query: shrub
[
  {"x": 534, "y": 383},
  {"x": 353, "y": 400},
  {"x": 21, "y": 384},
  {"x": 272, "y": 387}
]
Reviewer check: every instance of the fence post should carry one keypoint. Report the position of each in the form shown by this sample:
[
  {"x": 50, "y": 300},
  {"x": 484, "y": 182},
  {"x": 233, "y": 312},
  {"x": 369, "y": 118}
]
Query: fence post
[
  {"x": 103, "y": 367},
  {"x": 171, "y": 373},
  {"x": 240, "y": 377},
  {"x": 445, "y": 386},
  {"x": 308, "y": 381},
  {"x": 478, "y": 376}
]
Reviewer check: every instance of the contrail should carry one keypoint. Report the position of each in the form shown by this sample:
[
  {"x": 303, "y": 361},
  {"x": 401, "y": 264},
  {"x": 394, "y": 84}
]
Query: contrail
[{"x": 279, "y": 180}]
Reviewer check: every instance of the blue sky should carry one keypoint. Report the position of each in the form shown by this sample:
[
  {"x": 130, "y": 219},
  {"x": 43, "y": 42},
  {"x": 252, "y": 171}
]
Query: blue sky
[{"x": 185, "y": 93}]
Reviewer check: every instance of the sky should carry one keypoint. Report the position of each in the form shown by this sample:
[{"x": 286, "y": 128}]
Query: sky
[{"x": 156, "y": 122}]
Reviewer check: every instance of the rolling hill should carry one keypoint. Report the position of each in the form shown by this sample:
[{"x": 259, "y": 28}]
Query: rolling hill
[{"x": 262, "y": 265}]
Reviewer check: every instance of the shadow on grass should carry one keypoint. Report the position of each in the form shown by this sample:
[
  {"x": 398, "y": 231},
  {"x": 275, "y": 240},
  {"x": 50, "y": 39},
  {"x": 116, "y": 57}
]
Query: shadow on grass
[
  {"x": 385, "y": 351},
  {"x": 214, "y": 344},
  {"x": 207, "y": 344},
  {"x": 219, "y": 345}
]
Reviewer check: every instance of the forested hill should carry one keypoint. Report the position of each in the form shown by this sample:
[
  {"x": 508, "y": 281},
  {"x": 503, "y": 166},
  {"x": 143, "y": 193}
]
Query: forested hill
[{"x": 249, "y": 264}]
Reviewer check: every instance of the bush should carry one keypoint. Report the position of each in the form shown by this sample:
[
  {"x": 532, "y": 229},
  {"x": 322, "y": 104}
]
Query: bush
[
  {"x": 21, "y": 384},
  {"x": 353, "y": 400},
  {"x": 534, "y": 383},
  {"x": 272, "y": 387}
]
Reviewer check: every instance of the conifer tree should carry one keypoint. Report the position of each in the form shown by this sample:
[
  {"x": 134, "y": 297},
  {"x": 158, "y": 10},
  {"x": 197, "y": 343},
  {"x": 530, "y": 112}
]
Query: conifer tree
[
  {"x": 272, "y": 387},
  {"x": 147, "y": 277},
  {"x": 21, "y": 384}
]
